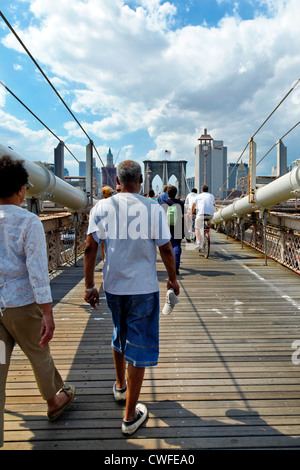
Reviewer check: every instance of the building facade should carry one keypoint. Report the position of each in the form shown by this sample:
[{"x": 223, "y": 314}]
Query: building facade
[
  {"x": 236, "y": 176},
  {"x": 212, "y": 168},
  {"x": 109, "y": 172}
]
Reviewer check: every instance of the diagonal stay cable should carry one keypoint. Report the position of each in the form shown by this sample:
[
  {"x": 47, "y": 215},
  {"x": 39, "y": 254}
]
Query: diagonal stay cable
[
  {"x": 43, "y": 124},
  {"x": 274, "y": 110},
  {"x": 42, "y": 72},
  {"x": 292, "y": 128},
  {"x": 276, "y": 142},
  {"x": 233, "y": 169},
  {"x": 54, "y": 89}
]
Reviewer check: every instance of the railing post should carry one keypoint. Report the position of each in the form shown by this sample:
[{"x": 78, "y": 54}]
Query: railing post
[
  {"x": 76, "y": 237},
  {"x": 35, "y": 205},
  {"x": 242, "y": 229},
  {"x": 265, "y": 217},
  {"x": 89, "y": 172}
]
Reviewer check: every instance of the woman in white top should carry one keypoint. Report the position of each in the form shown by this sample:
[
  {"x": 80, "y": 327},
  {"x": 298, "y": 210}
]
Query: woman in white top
[{"x": 26, "y": 316}]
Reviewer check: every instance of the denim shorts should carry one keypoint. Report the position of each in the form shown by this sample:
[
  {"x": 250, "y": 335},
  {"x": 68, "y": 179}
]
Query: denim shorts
[{"x": 136, "y": 327}]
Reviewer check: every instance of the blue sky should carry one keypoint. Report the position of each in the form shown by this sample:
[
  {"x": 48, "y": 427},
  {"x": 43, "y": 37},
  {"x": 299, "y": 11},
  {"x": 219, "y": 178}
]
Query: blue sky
[{"x": 149, "y": 75}]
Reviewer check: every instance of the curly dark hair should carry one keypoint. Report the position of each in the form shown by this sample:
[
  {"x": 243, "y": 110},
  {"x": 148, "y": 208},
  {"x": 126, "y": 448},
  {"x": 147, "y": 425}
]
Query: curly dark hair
[
  {"x": 13, "y": 176},
  {"x": 172, "y": 191}
]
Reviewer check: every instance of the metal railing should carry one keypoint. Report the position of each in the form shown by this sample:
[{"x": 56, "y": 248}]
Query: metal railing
[
  {"x": 65, "y": 239},
  {"x": 275, "y": 239}
]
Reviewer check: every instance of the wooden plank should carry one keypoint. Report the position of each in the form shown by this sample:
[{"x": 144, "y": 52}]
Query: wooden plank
[{"x": 225, "y": 378}]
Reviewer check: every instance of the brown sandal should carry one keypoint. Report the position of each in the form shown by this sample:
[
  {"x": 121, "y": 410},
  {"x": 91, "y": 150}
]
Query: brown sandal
[{"x": 69, "y": 390}]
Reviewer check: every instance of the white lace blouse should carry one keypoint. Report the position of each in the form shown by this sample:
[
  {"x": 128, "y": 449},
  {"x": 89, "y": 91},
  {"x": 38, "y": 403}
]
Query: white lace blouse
[{"x": 24, "y": 277}]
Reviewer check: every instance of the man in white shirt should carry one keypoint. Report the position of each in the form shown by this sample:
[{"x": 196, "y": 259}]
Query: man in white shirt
[
  {"x": 205, "y": 207},
  {"x": 189, "y": 201},
  {"x": 131, "y": 227}
]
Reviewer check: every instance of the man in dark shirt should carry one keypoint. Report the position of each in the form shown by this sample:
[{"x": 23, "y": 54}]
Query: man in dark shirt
[{"x": 176, "y": 222}]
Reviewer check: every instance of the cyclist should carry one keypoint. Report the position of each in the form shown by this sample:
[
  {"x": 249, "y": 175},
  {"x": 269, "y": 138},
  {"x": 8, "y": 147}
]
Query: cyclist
[{"x": 205, "y": 207}]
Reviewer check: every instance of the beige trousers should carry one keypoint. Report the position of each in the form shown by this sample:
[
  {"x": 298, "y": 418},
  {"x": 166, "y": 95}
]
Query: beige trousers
[{"x": 22, "y": 325}]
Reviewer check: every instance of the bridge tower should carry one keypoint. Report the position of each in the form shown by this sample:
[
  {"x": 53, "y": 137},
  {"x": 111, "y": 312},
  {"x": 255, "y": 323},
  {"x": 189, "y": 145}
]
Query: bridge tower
[{"x": 165, "y": 169}]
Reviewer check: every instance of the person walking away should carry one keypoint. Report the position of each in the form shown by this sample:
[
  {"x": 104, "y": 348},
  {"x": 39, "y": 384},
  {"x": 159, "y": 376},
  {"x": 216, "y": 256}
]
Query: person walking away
[
  {"x": 132, "y": 227},
  {"x": 107, "y": 191},
  {"x": 188, "y": 214},
  {"x": 151, "y": 195},
  {"x": 174, "y": 209},
  {"x": 204, "y": 205},
  {"x": 26, "y": 316}
]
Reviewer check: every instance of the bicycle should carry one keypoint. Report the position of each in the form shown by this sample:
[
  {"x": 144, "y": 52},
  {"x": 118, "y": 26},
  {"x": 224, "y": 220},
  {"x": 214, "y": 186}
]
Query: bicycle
[
  {"x": 206, "y": 234},
  {"x": 206, "y": 243}
]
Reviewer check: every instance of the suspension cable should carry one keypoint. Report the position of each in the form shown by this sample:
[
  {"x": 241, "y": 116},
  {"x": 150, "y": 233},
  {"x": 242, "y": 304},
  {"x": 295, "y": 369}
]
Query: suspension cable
[
  {"x": 233, "y": 169},
  {"x": 54, "y": 89},
  {"x": 42, "y": 72},
  {"x": 275, "y": 109},
  {"x": 276, "y": 142},
  {"x": 31, "y": 112}
]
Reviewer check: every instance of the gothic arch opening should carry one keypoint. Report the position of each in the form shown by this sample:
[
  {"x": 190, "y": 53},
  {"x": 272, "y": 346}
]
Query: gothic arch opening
[{"x": 166, "y": 169}]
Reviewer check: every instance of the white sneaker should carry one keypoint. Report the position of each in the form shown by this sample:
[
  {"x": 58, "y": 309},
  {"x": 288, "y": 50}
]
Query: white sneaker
[
  {"x": 198, "y": 246},
  {"x": 119, "y": 395},
  {"x": 129, "y": 427},
  {"x": 171, "y": 301}
]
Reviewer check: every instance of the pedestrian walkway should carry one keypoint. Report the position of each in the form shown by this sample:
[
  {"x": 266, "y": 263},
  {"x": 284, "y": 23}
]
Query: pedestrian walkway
[{"x": 226, "y": 379}]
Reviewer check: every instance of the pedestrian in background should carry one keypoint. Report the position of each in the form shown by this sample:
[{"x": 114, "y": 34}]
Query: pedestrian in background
[
  {"x": 174, "y": 209},
  {"x": 163, "y": 196}
]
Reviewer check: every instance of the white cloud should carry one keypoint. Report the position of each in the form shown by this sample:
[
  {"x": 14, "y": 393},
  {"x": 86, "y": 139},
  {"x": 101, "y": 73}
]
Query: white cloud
[{"x": 130, "y": 69}]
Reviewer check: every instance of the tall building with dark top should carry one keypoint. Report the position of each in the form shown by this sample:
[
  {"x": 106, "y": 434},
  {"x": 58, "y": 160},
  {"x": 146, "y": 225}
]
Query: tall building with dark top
[
  {"x": 109, "y": 172},
  {"x": 211, "y": 165}
]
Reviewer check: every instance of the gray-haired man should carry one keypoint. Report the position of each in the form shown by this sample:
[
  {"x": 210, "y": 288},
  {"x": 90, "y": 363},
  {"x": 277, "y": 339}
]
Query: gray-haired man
[{"x": 131, "y": 227}]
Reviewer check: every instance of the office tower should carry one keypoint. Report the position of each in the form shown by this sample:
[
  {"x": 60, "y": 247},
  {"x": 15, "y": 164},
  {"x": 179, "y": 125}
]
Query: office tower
[
  {"x": 234, "y": 173},
  {"x": 211, "y": 165},
  {"x": 96, "y": 175},
  {"x": 109, "y": 172}
]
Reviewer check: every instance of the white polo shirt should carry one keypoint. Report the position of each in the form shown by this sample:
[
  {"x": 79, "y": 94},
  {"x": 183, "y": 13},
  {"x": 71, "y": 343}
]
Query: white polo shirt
[
  {"x": 131, "y": 226},
  {"x": 205, "y": 203},
  {"x": 190, "y": 199}
]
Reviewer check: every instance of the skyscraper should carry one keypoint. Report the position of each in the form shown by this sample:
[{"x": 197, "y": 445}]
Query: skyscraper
[
  {"x": 211, "y": 165},
  {"x": 96, "y": 175},
  {"x": 109, "y": 172},
  {"x": 234, "y": 175}
]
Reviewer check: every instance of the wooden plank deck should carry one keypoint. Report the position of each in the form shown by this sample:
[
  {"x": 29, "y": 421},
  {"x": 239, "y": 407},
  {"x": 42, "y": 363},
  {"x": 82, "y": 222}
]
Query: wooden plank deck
[{"x": 225, "y": 378}]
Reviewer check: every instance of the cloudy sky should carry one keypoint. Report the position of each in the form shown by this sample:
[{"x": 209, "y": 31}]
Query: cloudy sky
[{"x": 145, "y": 76}]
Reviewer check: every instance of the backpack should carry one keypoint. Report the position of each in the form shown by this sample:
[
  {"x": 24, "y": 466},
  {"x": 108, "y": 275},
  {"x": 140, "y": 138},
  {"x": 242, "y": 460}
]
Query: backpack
[{"x": 172, "y": 215}]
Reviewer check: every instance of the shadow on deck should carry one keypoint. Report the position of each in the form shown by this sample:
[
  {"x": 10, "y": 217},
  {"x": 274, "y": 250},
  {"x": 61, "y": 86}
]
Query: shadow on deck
[{"x": 225, "y": 379}]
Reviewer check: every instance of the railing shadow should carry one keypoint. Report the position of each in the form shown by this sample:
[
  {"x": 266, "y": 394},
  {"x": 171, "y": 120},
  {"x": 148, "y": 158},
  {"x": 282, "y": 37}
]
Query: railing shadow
[
  {"x": 238, "y": 429},
  {"x": 94, "y": 418}
]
